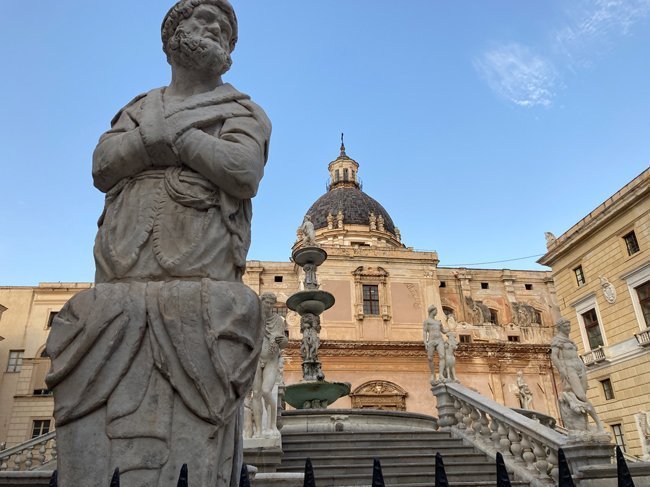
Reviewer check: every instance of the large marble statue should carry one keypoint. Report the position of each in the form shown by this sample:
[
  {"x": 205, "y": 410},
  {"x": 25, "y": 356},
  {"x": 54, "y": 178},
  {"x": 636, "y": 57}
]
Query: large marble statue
[
  {"x": 150, "y": 367},
  {"x": 267, "y": 371},
  {"x": 434, "y": 342},
  {"x": 524, "y": 393},
  {"x": 574, "y": 404}
]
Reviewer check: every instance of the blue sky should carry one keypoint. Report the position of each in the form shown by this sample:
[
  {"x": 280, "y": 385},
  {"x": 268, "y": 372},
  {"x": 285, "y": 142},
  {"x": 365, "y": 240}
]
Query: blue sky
[{"x": 479, "y": 125}]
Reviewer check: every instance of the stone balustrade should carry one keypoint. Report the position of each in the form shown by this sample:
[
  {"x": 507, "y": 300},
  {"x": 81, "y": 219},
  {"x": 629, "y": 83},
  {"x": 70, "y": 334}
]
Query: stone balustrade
[
  {"x": 529, "y": 448},
  {"x": 29, "y": 455},
  {"x": 594, "y": 356},
  {"x": 643, "y": 337}
]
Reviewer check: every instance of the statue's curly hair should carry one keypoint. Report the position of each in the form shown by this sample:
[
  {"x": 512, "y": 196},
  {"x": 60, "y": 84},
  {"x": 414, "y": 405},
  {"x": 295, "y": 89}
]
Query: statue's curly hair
[
  {"x": 183, "y": 10},
  {"x": 561, "y": 321}
]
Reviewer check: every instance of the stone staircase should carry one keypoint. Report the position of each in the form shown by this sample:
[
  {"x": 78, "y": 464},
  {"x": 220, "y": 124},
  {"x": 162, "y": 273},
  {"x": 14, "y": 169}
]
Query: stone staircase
[{"x": 407, "y": 458}]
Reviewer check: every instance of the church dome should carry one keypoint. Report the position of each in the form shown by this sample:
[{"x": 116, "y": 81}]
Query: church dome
[
  {"x": 345, "y": 198},
  {"x": 355, "y": 205}
]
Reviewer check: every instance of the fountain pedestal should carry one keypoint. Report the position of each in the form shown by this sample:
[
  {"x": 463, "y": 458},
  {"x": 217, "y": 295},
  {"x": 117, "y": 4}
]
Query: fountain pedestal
[{"x": 313, "y": 392}]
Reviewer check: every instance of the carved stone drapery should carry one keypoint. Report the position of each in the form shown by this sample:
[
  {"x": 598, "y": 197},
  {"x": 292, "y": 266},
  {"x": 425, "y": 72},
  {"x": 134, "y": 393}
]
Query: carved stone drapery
[
  {"x": 379, "y": 394},
  {"x": 377, "y": 276}
]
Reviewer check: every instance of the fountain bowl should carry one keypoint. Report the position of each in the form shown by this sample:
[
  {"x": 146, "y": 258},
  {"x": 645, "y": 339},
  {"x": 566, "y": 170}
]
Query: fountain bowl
[{"x": 314, "y": 302}]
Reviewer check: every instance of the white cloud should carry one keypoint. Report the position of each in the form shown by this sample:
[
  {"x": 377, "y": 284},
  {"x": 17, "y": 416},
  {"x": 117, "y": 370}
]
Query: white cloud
[
  {"x": 526, "y": 78},
  {"x": 516, "y": 73},
  {"x": 596, "y": 25}
]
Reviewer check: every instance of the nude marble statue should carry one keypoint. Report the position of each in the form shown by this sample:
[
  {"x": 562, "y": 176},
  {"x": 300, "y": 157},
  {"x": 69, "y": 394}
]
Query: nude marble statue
[
  {"x": 574, "y": 404},
  {"x": 150, "y": 368},
  {"x": 267, "y": 371},
  {"x": 434, "y": 342}
]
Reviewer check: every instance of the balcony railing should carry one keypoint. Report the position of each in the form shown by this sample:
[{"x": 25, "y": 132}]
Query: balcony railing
[
  {"x": 643, "y": 337},
  {"x": 594, "y": 356}
]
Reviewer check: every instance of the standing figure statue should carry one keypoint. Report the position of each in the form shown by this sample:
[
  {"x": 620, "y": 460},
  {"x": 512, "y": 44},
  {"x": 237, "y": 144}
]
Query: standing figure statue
[
  {"x": 574, "y": 404},
  {"x": 267, "y": 371},
  {"x": 310, "y": 329},
  {"x": 449, "y": 371},
  {"x": 434, "y": 342},
  {"x": 151, "y": 366},
  {"x": 523, "y": 391},
  {"x": 308, "y": 232}
]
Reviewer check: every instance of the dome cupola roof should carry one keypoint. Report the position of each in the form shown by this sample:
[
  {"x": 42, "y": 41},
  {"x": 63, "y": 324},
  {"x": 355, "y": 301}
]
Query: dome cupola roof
[{"x": 346, "y": 201}]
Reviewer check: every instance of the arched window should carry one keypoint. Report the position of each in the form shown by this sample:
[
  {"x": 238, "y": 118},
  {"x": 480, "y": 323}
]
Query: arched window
[
  {"x": 345, "y": 174},
  {"x": 337, "y": 175}
]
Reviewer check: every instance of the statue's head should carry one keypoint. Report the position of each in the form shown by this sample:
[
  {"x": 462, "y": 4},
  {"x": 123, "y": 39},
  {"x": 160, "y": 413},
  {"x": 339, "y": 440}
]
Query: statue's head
[
  {"x": 563, "y": 325},
  {"x": 268, "y": 301},
  {"x": 200, "y": 35},
  {"x": 433, "y": 311}
]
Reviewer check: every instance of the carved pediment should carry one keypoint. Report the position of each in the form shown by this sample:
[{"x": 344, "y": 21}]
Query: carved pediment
[
  {"x": 379, "y": 388},
  {"x": 362, "y": 273}
]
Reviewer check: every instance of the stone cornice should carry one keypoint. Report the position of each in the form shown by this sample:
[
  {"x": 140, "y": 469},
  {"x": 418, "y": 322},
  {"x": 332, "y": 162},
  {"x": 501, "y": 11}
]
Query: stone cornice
[
  {"x": 335, "y": 348},
  {"x": 630, "y": 194}
]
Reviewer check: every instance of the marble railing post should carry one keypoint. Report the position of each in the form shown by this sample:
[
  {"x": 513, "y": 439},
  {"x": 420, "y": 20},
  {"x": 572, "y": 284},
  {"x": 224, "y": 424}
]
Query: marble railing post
[{"x": 446, "y": 409}]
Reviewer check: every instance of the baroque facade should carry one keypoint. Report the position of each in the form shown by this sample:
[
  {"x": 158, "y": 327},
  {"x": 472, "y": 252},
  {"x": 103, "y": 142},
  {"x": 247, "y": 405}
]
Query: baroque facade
[
  {"x": 601, "y": 269},
  {"x": 372, "y": 337}
]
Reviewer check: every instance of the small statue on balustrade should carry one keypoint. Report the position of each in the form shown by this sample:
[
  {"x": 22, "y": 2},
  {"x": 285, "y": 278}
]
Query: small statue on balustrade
[
  {"x": 267, "y": 370},
  {"x": 451, "y": 345},
  {"x": 574, "y": 404}
]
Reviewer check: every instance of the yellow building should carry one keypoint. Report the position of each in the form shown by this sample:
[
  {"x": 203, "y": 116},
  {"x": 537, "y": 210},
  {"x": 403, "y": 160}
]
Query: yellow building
[
  {"x": 601, "y": 268},
  {"x": 372, "y": 337}
]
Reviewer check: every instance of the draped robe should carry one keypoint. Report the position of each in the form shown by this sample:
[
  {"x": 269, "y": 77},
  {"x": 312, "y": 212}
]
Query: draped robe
[{"x": 150, "y": 367}]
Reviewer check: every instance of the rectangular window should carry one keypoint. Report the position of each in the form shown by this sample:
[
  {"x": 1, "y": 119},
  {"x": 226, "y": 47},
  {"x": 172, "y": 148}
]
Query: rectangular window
[
  {"x": 40, "y": 427},
  {"x": 51, "y": 317},
  {"x": 643, "y": 293},
  {"x": 280, "y": 310},
  {"x": 494, "y": 316},
  {"x": 443, "y": 284},
  {"x": 278, "y": 278},
  {"x": 590, "y": 319},
  {"x": 537, "y": 317},
  {"x": 529, "y": 287},
  {"x": 513, "y": 338},
  {"x": 370, "y": 299},
  {"x": 580, "y": 276},
  {"x": 608, "y": 390},
  {"x": 485, "y": 285},
  {"x": 631, "y": 243},
  {"x": 617, "y": 429},
  {"x": 15, "y": 360},
  {"x": 465, "y": 338}
]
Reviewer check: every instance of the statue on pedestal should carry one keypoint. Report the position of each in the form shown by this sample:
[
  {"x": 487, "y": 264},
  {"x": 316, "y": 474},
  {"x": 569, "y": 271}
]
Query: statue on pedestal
[
  {"x": 267, "y": 371},
  {"x": 308, "y": 232},
  {"x": 574, "y": 404},
  {"x": 150, "y": 367},
  {"x": 451, "y": 345},
  {"x": 434, "y": 342}
]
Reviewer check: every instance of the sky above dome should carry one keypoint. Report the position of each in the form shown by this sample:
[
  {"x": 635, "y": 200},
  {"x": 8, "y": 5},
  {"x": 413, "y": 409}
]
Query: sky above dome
[{"x": 477, "y": 125}]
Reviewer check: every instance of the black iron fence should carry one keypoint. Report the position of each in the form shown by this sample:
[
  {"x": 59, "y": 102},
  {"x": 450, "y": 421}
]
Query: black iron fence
[{"x": 503, "y": 479}]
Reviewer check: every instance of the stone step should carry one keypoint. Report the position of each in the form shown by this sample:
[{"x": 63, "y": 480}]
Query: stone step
[
  {"x": 353, "y": 436},
  {"x": 335, "y": 443},
  {"x": 469, "y": 478},
  {"x": 384, "y": 450},
  {"x": 391, "y": 468},
  {"x": 451, "y": 460}
]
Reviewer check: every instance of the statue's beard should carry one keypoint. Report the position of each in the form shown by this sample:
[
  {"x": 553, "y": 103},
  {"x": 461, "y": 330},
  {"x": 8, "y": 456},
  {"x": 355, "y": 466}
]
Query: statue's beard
[{"x": 197, "y": 53}]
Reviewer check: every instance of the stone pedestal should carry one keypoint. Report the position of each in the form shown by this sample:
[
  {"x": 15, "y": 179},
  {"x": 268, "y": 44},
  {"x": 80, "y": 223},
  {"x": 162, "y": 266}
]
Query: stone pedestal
[{"x": 446, "y": 409}]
